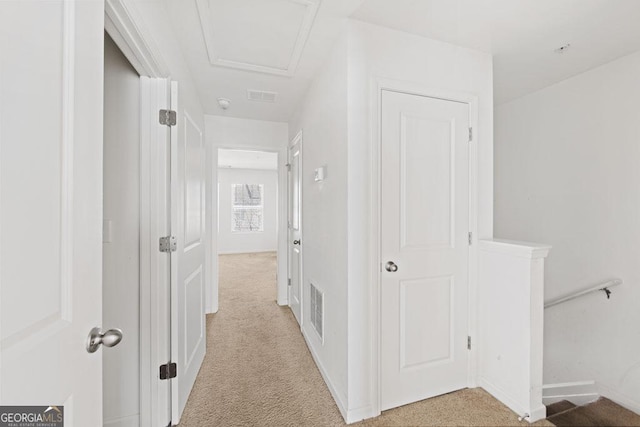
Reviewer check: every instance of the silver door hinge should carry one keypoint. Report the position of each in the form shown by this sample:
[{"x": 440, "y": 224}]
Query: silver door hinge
[
  {"x": 168, "y": 244},
  {"x": 470, "y": 134},
  {"x": 289, "y": 282},
  {"x": 470, "y": 238},
  {"x": 288, "y": 165},
  {"x": 168, "y": 117},
  {"x": 469, "y": 343},
  {"x": 168, "y": 371}
]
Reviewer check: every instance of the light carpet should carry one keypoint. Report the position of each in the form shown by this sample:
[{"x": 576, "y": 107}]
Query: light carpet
[{"x": 258, "y": 370}]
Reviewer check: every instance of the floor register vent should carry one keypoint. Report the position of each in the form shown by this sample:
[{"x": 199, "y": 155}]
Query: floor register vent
[{"x": 317, "y": 310}]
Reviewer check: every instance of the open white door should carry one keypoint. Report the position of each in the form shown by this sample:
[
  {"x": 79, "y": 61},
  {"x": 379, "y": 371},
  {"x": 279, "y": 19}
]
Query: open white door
[
  {"x": 51, "y": 205},
  {"x": 424, "y": 247},
  {"x": 188, "y": 338},
  {"x": 295, "y": 227}
]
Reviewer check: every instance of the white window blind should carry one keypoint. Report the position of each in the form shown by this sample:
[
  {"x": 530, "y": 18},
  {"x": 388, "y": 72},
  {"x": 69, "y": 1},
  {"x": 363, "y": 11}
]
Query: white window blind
[{"x": 247, "y": 208}]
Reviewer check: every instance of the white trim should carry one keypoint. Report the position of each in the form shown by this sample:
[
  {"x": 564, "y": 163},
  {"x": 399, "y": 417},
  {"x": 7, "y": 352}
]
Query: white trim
[
  {"x": 339, "y": 399},
  {"x": 511, "y": 247},
  {"x": 378, "y": 85},
  {"x": 282, "y": 218},
  {"x": 174, "y": 230},
  {"x": 124, "y": 24},
  {"x": 298, "y": 139},
  {"x": 154, "y": 282},
  {"x": 204, "y": 14},
  {"x": 629, "y": 402},
  {"x": 534, "y": 414}
]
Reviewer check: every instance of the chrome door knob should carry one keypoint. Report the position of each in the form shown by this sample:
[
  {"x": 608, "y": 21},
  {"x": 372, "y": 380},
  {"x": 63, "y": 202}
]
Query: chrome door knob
[
  {"x": 296, "y": 242},
  {"x": 96, "y": 338},
  {"x": 391, "y": 267}
]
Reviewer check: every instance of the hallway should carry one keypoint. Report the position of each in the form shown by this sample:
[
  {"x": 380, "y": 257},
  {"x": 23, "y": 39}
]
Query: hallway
[
  {"x": 258, "y": 370},
  {"x": 237, "y": 385}
]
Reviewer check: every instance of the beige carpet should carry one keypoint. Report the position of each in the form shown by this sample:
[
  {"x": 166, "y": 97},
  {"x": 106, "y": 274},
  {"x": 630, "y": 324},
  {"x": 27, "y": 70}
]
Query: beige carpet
[{"x": 259, "y": 372}]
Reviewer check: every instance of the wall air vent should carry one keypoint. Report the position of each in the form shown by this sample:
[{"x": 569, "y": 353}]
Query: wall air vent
[
  {"x": 261, "y": 95},
  {"x": 316, "y": 311}
]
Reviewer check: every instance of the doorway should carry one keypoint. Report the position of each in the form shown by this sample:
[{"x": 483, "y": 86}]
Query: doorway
[
  {"x": 248, "y": 210},
  {"x": 121, "y": 237},
  {"x": 424, "y": 247}
]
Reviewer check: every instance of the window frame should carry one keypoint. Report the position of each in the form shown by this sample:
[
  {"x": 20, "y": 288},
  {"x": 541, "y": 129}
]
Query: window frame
[{"x": 235, "y": 207}]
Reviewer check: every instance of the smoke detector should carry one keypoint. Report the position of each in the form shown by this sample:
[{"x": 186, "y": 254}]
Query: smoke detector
[{"x": 224, "y": 103}]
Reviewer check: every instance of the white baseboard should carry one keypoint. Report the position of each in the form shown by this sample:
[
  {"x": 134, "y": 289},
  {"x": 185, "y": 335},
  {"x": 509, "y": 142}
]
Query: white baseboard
[
  {"x": 626, "y": 401},
  {"x": 359, "y": 414},
  {"x": 263, "y": 251},
  {"x": 342, "y": 407},
  {"x": 535, "y": 414},
  {"x": 577, "y": 392},
  {"x": 130, "y": 421}
]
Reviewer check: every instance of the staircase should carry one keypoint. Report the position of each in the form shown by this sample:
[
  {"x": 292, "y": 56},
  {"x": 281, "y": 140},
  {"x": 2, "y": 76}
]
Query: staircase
[{"x": 603, "y": 412}]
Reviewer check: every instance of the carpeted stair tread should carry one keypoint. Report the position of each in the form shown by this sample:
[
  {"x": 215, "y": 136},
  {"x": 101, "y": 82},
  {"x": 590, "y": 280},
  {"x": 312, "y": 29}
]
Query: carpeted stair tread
[
  {"x": 601, "y": 413},
  {"x": 559, "y": 407}
]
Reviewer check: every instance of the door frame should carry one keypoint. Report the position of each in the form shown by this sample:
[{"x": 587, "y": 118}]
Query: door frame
[
  {"x": 282, "y": 266},
  {"x": 410, "y": 88},
  {"x": 297, "y": 139},
  {"x": 125, "y": 26}
]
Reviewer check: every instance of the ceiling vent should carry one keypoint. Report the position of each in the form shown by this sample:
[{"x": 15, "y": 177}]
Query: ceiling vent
[{"x": 261, "y": 95}]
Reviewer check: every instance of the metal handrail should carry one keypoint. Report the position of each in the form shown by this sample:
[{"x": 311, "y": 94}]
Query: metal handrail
[{"x": 604, "y": 287}]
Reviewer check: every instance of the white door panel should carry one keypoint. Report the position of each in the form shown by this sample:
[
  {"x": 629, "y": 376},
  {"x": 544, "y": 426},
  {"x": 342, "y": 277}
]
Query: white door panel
[
  {"x": 188, "y": 316},
  {"x": 295, "y": 228},
  {"x": 425, "y": 219},
  {"x": 51, "y": 205}
]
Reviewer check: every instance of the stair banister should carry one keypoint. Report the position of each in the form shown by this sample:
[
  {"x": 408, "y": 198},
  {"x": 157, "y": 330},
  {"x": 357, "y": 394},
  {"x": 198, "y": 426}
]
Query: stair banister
[{"x": 604, "y": 287}]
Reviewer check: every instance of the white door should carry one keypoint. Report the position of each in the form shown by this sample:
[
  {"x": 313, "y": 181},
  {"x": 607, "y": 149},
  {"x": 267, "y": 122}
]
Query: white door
[
  {"x": 295, "y": 227},
  {"x": 424, "y": 247},
  {"x": 51, "y": 205},
  {"x": 188, "y": 263}
]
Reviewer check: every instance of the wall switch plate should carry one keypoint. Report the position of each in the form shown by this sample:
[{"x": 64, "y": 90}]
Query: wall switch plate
[{"x": 319, "y": 174}]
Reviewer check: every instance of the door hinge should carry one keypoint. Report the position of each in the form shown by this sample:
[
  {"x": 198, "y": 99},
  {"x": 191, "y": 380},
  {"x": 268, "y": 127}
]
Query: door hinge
[
  {"x": 168, "y": 371},
  {"x": 168, "y": 117},
  {"x": 470, "y": 238},
  {"x": 289, "y": 282},
  {"x": 470, "y": 134},
  {"x": 288, "y": 165},
  {"x": 469, "y": 343},
  {"x": 168, "y": 244}
]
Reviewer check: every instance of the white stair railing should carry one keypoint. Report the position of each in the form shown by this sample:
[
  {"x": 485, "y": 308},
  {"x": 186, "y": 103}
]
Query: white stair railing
[{"x": 603, "y": 287}]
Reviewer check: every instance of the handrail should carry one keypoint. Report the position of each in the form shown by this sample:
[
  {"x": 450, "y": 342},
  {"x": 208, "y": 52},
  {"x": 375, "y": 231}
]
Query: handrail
[{"x": 604, "y": 287}]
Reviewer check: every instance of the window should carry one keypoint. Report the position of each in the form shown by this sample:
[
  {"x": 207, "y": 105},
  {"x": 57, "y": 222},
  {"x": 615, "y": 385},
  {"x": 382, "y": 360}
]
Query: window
[{"x": 247, "y": 208}]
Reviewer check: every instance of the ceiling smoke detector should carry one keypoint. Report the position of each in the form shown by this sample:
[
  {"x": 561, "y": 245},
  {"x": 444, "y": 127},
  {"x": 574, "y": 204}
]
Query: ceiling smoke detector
[
  {"x": 224, "y": 103},
  {"x": 563, "y": 49}
]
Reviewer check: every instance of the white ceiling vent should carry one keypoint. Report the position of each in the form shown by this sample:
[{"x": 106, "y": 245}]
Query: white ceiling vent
[{"x": 261, "y": 95}]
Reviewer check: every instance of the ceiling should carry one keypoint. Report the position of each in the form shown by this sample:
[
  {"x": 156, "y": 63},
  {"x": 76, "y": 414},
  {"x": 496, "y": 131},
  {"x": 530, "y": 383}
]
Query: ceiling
[
  {"x": 242, "y": 159},
  {"x": 277, "y": 46}
]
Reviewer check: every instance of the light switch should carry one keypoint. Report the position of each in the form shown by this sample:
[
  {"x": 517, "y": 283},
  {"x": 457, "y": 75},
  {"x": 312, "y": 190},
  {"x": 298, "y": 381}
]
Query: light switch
[{"x": 320, "y": 173}]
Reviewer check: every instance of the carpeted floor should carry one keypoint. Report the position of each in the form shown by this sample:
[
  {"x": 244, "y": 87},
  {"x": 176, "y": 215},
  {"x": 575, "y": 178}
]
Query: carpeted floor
[{"x": 259, "y": 372}]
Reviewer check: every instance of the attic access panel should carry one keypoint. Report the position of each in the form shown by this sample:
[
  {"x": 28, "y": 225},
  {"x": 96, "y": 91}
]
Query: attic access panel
[{"x": 266, "y": 36}]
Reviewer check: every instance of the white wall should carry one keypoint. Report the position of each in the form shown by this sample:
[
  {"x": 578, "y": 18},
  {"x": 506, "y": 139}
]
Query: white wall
[
  {"x": 567, "y": 174},
  {"x": 229, "y": 132},
  {"x": 322, "y": 116},
  {"x": 337, "y": 215},
  {"x": 232, "y": 242},
  {"x": 120, "y": 251}
]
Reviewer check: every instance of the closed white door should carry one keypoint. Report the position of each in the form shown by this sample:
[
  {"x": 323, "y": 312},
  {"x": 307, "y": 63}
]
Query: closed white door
[
  {"x": 295, "y": 227},
  {"x": 424, "y": 247},
  {"x": 51, "y": 205},
  {"x": 188, "y": 338}
]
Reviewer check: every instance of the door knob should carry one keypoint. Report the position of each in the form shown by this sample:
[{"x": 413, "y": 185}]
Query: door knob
[
  {"x": 97, "y": 338},
  {"x": 391, "y": 267},
  {"x": 296, "y": 242}
]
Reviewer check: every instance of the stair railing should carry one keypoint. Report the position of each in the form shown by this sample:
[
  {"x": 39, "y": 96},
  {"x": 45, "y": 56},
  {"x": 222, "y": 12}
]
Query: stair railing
[{"x": 603, "y": 287}]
